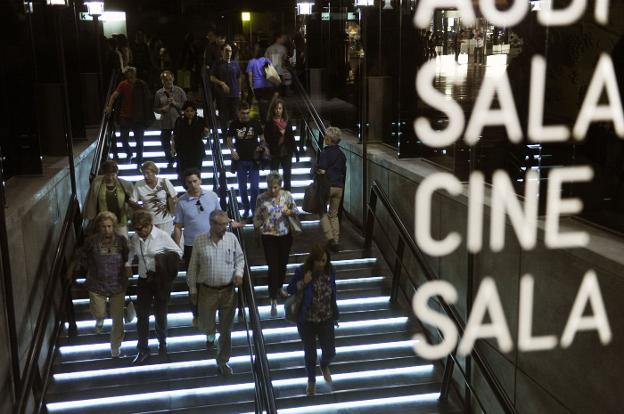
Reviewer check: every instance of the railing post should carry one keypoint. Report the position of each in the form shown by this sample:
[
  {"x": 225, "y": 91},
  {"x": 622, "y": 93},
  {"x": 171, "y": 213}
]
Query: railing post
[
  {"x": 446, "y": 379},
  {"x": 396, "y": 274},
  {"x": 6, "y": 289},
  {"x": 370, "y": 222}
]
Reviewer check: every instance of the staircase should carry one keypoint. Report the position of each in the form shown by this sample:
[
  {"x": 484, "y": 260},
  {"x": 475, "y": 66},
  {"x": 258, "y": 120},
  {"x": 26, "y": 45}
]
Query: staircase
[{"x": 375, "y": 368}]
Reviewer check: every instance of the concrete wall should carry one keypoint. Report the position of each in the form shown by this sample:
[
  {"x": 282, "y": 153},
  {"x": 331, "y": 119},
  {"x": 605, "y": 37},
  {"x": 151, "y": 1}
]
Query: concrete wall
[
  {"x": 36, "y": 208},
  {"x": 581, "y": 379}
]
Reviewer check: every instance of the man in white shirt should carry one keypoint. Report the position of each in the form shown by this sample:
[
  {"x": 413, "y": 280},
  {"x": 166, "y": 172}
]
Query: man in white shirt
[
  {"x": 146, "y": 243},
  {"x": 215, "y": 269}
]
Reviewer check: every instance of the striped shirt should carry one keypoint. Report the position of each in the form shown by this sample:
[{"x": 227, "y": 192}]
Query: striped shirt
[{"x": 213, "y": 264}]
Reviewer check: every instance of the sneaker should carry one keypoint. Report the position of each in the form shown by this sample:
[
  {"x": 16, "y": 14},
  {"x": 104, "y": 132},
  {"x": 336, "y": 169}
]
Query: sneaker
[
  {"x": 274, "y": 308},
  {"x": 311, "y": 389},
  {"x": 99, "y": 324},
  {"x": 225, "y": 370},
  {"x": 115, "y": 353},
  {"x": 333, "y": 246},
  {"x": 327, "y": 374}
]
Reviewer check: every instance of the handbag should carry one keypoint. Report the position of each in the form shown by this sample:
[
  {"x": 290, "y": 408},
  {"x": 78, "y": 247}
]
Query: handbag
[
  {"x": 271, "y": 74},
  {"x": 294, "y": 225},
  {"x": 171, "y": 205},
  {"x": 311, "y": 199},
  {"x": 292, "y": 306},
  {"x": 129, "y": 312}
]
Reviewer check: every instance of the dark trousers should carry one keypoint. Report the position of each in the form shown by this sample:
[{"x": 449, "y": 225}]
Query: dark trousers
[
  {"x": 248, "y": 172},
  {"x": 286, "y": 163},
  {"x": 309, "y": 331},
  {"x": 148, "y": 293},
  {"x": 276, "y": 251},
  {"x": 125, "y": 125},
  {"x": 264, "y": 96},
  {"x": 165, "y": 142},
  {"x": 228, "y": 110}
]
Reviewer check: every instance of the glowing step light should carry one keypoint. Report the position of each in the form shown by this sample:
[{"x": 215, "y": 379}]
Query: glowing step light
[
  {"x": 200, "y": 340},
  {"x": 241, "y": 359}
]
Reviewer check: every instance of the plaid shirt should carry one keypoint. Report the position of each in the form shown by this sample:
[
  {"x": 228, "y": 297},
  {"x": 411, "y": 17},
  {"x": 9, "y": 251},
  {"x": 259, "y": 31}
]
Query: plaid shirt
[{"x": 214, "y": 264}]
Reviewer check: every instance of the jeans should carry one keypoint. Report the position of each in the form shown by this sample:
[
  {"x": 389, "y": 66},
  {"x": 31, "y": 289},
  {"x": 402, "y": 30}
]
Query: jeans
[
  {"x": 125, "y": 125},
  {"x": 148, "y": 293},
  {"x": 286, "y": 163},
  {"x": 248, "y": 172},
  {"x": 276, "y": 252},
  {"x": 308, "y": 331}
]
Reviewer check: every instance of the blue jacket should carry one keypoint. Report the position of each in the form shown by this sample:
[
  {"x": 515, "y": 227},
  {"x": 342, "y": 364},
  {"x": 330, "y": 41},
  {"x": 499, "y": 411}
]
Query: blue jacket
[
  {"x": 334, "y": 162},
  {"x": 309, "y": 291}
]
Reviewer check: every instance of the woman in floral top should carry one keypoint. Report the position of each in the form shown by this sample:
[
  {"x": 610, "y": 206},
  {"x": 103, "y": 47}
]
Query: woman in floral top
[
  {"x": 103, "y": 256},
  {"x": 158, "y": 196},
  {"x": 318, "y": 314},
  {"x": 271, "y": 219}
]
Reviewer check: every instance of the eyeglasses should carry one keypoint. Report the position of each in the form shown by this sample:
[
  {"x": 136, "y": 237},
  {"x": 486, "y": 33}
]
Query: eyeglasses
[{"x": 199, "y": 206}]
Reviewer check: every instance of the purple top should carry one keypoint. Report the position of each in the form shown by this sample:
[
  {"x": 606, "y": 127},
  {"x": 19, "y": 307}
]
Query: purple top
[
  {"x": 105, "y": 266},
  {"x": 256, "y": 67}
]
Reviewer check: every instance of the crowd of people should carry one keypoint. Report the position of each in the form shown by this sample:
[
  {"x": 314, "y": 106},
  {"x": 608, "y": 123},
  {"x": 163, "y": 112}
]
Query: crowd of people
[{"x": 192, "y": 229}]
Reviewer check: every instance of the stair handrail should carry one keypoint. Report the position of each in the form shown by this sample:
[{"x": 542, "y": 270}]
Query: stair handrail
[
  {"x": 33, "y": 379},
  {"x": 219, "y": 178},
  {"x": 105, "y": 131},
  {"x": 260, "y": 366},
  {"x": 376, "y": 192},
  {"x": 309, "y": 109}
]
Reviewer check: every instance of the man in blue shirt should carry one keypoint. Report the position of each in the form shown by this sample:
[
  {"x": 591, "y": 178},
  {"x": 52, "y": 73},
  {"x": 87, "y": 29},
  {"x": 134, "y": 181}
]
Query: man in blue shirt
[
  {"x": 193, "y": 211},
  {"x": 226, "y": 75}
]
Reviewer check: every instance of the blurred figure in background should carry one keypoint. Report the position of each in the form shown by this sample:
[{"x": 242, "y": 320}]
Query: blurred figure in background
[{"x": 168, "y": 102}]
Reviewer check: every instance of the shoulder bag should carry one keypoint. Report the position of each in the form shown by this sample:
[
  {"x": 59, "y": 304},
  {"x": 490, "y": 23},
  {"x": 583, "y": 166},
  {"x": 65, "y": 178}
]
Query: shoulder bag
[
  {"x": 292, "y": 306},
  {"x": 271, "y": 74}
]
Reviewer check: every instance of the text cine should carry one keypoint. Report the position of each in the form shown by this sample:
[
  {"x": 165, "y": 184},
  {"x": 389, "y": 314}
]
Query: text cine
[{"x": 523, "y": 216}]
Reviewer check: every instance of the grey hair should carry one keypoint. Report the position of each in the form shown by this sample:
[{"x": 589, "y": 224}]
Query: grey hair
[
  {"x": 216, "y": 213},
  {"x": 273, "y": 178},
  {"x": 333, "y": 134}
]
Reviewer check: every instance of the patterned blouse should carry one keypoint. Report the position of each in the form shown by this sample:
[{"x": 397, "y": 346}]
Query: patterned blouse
[
  {"x": 320, "y": 309},
  {"x": 269, "y": 218},
  {"x": 106, "y": 273}
]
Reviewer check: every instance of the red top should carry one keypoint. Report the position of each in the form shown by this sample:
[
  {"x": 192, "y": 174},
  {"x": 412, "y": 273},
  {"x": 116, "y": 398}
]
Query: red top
[{"x": 125, "y": 89}]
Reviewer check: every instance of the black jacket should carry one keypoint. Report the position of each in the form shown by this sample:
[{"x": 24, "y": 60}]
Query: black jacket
[
  {"x": 166, "y": 268},
  {"x": 272, "y": 136}
]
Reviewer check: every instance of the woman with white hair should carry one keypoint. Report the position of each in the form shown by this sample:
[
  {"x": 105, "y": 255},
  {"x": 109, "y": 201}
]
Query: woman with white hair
[
  {"x": 158, "y": 196},
  {"x": 333, "y": 164}
]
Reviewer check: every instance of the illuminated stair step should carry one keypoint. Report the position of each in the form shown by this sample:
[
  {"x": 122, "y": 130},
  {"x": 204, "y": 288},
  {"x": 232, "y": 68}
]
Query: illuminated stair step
[
  {"x": 263, "y": 289},
  {"x": 296, "y": 356}
]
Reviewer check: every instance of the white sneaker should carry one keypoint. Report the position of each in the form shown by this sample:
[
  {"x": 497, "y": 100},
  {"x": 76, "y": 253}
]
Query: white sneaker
[{"x": 115, "y": 352}]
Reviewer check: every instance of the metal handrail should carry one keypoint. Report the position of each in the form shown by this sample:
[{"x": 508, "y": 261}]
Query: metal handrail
[
  {"x": 311, "y": 111},
  {"x": 33, "y": 378},
  {"x": 219, "y": 179},
  {"x": 406, "y": 240},
  {"x": 105, "y": 131},
  {"x": 265, "y": 394}
]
